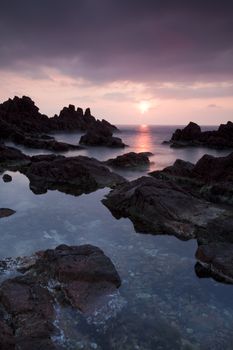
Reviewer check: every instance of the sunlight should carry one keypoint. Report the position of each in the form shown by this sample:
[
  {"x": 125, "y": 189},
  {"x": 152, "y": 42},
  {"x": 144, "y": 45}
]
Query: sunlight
[{"x": 144, "y": 106}]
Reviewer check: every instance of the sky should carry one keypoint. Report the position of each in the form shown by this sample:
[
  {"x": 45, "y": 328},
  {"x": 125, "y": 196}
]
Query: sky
[{"x": 130, "y": 61}]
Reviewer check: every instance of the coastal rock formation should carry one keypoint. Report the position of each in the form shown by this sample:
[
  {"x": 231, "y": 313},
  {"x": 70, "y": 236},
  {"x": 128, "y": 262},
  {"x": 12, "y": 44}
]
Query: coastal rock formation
[
  {"x": 73, "y": 175},
  {"x": 191, "y": 135},
  {"x": 160, "y": 207},
  {"x": 22, "y": 123},
  {"x": 211, "y": 177},
  {"x": 100, "y": 134},
  {"x": 130, "y": 160},
  {"x": 81, "y": 276}
]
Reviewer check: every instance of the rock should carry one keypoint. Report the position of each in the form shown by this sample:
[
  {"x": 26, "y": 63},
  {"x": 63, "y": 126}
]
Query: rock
[
  {"x": 74, "y": 175},
  {"x": 5, "y": 212},
  {"x": 7, "y": 178},
  {"x": 22, "y": 123},
  {"x": 79, "y": 275},
  {"x": 211, "y": 177},
  {"x": 160, "y": 207},
  {"x": 216, "y": 261},
  {"x": 192, "y": 135},
  {"x": 10, "y": 156},
  {"x": 101, "y": 135},
  {"x": 129, "y": 160}
]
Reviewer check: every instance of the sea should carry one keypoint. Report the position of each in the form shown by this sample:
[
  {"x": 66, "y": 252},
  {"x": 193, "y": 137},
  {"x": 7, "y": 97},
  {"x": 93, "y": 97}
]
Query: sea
[{"x": 161, "y": 304}]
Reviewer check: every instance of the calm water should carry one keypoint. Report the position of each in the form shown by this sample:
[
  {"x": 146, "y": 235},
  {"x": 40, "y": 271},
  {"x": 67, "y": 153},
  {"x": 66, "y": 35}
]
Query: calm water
[{"x": 161, "y": 303}]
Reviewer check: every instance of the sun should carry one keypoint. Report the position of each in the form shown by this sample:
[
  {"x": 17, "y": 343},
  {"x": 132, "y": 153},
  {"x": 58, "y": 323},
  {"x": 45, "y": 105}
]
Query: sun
[{"x": 144, "y": 106}]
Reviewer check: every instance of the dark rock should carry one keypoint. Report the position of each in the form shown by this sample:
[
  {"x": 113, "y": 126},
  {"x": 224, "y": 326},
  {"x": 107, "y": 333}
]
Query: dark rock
[
  {"x": 101, "y": 135},
  {"x": 81, "y": 275},
  {"x": 160, "y": 207},
  {"x": 7, "y": 178},
  {"x": 211, "y": 177},
  {"x": 10, "y": 156},
  {"x": 192, "y": 135},
  {"x": 4, "y": 212},
  {"x": 216, "y": 260},
  {"x": 74, "y": 175},
  {"x": 129, "y": 160}
]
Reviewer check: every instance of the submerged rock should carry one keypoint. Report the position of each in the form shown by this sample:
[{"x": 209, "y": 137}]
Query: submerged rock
[
  {"x": 130, "y": 160},
  {"x": 74, "y": 175},
  {"x": 192, "y": 135},
  {"x": 4, "y": 212},
  {"x": 81, "y": 276}
]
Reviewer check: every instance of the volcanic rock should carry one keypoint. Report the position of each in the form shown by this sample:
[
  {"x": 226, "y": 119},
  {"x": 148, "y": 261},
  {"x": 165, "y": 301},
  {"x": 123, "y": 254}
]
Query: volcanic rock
[{"x": 129, "y": 160}]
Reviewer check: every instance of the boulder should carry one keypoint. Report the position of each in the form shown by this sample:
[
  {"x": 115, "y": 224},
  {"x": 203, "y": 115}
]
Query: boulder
[
  {"x": 7, "y": 178},
  {"x": 129, "y": 160},
  {"x": 81, "y": 276}
]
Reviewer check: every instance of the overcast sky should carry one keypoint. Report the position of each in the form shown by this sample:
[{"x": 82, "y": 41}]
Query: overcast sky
[{"x": 131, "y": 61}]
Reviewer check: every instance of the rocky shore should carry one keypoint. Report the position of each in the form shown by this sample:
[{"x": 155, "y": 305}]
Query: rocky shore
[
  {"x": 185, "y": 200},
  {"x": 192, "y": 136},
  {"x": 80, "y": 276},
  {"x": 22, "y": 123}
]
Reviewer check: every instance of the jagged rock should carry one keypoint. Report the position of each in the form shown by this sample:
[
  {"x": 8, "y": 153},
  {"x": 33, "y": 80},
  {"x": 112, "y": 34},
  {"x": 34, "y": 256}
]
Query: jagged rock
[
  {"x": 80, "y": 275},
  {"x": 74, "y": 175},
  {"x": 4, "y": 212},
  {"x": 160, "y": 207},
  {"x": 192, "y": 135},
  {"x": 7, "y": 178},
  {"x": 130, "y": 160}
]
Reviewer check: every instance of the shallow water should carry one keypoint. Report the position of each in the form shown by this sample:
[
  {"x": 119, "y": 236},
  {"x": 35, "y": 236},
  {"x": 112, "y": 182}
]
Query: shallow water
[{"x": 161, "y": 304}]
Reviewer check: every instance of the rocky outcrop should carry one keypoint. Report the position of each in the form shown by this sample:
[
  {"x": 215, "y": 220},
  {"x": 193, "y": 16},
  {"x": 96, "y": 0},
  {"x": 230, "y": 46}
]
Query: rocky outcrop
[
  {"x": 73, "y": 175},
  {"x": 101, "y": 135},
  {"x": 211, "y": 177},
  {"x": 130, "y": 160},
  {"x": 81, "y": 276},
  {"x": 4, "y": 212},
  {"x": 160, "y": 207},
  {"x": 191, "y": 135},
  {"x": 188, "y": 201},
  {"x": 22, "y": 123}
]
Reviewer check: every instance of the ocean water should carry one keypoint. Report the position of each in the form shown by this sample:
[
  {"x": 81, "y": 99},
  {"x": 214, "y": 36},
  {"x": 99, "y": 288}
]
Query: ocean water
[{"x": 161, "y": 304}]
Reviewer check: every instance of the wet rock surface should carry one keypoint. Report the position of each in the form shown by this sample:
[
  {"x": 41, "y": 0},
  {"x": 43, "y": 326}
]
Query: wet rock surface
[
  {"x": 74, "y": 175},
  {"x": 191, "y": 135},
  {"x": 160, "y": 207},
  {"x": 81, "y": 276},
  {"x": 10, "y": 156},
  {"x": 130, "y": 160}
]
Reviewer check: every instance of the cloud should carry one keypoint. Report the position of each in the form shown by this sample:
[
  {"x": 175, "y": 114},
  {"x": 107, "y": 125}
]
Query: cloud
[{"x": 107, "y": 40}]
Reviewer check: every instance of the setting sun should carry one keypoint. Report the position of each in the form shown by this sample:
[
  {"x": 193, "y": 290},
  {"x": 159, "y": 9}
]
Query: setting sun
[{"x": 144, "y": 106}]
